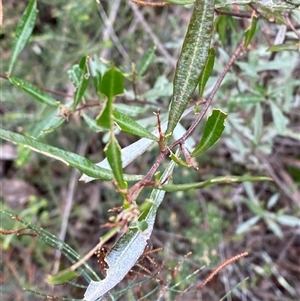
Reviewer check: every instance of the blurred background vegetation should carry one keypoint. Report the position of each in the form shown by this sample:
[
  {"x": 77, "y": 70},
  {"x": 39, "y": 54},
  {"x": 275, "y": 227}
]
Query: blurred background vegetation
[{"x": 262, "y": 98}]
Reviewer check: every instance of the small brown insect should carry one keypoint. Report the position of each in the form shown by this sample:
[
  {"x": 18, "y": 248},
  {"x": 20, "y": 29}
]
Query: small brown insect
[
  {"x": 101, "y": 254},
  {"x": 143, "y": 267}
]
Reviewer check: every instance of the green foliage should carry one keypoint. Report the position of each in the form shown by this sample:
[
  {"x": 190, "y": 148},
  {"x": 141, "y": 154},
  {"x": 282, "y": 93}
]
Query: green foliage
[
  {"x": 105, "y": 103},
  {"x": 213, "y": 130},
  {"x": 192, "y": 60},
  {"x": 206, "y": 73},
  {"x": 68, "y": 158},
  {"x": 23, "y": 33}
]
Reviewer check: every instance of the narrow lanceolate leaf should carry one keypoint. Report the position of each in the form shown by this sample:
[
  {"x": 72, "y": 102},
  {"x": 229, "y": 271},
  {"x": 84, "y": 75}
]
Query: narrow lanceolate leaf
[
  {"x": 128, "y": 249},
  {"x": 128, "y": 125},
  {"x": 34, "y": 91},
  {"x": 213, "y": 130},
  {"x": 23, "y": 33},
  {"x": 62, "y": 277},
  {"x": 213, "y": 181},
  {"x": 83, "y": 81},
  {"x": 178, "y": 160},
  {"x": 292, "y": 46},
  {"x": 113, "y": 154},
  {"x": 69, "y": 158},
  {"x": 92, "y": 124},
  {"x": 206, "y": 71},
  {"x": 250, "y": 32},
  {"x": 192, "y": 59},
  {"x": 279, "y": 119},
  {"x": 58, "y": 244},
  {"x": 146, "y": 60},
  {"x": 134, "y": 150}
]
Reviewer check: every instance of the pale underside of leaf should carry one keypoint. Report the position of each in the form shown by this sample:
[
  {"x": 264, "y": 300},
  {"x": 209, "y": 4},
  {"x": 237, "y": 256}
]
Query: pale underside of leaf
[
  {"x": 134, "y": 150},
  {"x": 128, "y": 249}
]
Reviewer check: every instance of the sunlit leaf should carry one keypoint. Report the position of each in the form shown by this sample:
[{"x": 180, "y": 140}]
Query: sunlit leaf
[
  {"x": 23, "y": 33},
  {"x": 212, "y": 132},
  {"x": 192, "y": 59}
]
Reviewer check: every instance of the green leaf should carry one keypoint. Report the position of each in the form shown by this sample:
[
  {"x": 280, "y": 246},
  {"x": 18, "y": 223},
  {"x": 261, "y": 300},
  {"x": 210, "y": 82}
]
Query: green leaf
[
  {"x": 212, "y": 132},
  {"x": 128, "y": 125},
  {"x": 250, "y": 31},
  {"x": 49, "y": 121},
  {"x": 272, "y": 15},
  {"x": 274, "y": 227},
  {"x": 113, "y": 154},
  {"x": 192, "y": 59},
  {"x": 58, "y": 244},
  {"x": 178, "y": 160},
  {"x": 92, "y": 124},
  {"x": 279, "y": 119},
  {"x": 112, "y": 83},
  {"x": 128, "y": 249},
  {"x": 134, "y": 150},
  {"x": 69, "y": 158},
  {"x": 209, "y": 65},
  {"x": 288, "y": 220},
  {"x": 83, "y": 81},
  {"x": 23, "y": 33},
  {"x": 213, "y": 181},
  {"x": 106, "y": 118},
  {"x": 97, "y": 69},
  {"x": 284, "y": 4},
  {"x": 245, "y": 226},
  {"x": 61, "y": 277},
  {"x": 146, "y": 60},
  {"x": 291, "y": 46},
  {"x": 34, "y": 91},
  {"x": 257, "y": 123}
]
